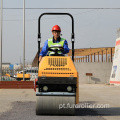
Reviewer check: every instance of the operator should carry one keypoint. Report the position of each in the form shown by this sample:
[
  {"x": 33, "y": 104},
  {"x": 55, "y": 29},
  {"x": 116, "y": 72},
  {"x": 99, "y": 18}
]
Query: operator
[{"x": 56, "y": 41}]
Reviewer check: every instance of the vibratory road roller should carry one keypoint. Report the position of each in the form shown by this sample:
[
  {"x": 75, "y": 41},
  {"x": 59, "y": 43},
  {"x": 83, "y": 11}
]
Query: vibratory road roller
[
  {"x": 57, "y": 84},
  {"x": 19, "y": 76}
]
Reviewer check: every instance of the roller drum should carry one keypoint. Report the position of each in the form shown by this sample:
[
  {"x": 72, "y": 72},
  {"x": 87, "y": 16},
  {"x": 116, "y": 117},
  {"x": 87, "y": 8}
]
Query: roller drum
[{"x": 55, "y": 105}]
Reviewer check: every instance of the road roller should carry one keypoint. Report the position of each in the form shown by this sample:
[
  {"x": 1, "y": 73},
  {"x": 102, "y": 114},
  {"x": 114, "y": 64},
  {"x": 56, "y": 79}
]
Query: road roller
[
  {"x": 19, "y": 76},
  {"x": 57, "y": 84}
]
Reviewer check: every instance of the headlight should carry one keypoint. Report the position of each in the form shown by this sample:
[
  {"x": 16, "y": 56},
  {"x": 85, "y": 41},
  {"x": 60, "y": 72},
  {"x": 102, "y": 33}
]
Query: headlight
[
  {"x": 45, "y": 88},
  {"x": 69, "y": 88}
]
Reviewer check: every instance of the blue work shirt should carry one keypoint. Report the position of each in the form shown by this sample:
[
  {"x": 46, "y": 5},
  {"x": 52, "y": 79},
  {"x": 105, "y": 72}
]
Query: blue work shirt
[{"x": 45, "y": 47}]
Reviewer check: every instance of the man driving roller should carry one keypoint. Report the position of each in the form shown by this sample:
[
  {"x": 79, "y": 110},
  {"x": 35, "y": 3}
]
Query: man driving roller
[{"x": 54, "y": 43}]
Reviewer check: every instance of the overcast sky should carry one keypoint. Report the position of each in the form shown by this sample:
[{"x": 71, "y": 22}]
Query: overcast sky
[{"x": 93, "y": 27}]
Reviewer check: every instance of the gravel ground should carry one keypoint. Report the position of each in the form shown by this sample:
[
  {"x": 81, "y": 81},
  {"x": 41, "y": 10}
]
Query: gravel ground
[{"x": 19, "y": 104}]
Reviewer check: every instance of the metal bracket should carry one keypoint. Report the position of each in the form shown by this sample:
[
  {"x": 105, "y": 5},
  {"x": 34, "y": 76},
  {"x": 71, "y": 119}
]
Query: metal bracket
[{"x": 55, "y": 94}]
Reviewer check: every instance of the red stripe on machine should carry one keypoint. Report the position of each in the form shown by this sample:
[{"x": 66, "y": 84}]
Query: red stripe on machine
[
  {"x": 118, "y": 42},
  {"x": 115, "y": 82}
]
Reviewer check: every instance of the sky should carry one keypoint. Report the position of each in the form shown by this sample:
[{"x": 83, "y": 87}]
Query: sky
[{"x": 93, "y": 27}]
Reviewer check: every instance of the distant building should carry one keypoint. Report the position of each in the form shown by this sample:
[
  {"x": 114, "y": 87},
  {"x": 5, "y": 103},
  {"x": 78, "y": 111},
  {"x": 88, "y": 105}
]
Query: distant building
[
  {"x": 5, "y": 65},
  {"x": 17, "y": 66}
]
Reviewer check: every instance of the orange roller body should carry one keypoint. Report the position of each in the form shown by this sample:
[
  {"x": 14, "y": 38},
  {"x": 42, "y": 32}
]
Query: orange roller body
[{"x": 59, "y": 67}]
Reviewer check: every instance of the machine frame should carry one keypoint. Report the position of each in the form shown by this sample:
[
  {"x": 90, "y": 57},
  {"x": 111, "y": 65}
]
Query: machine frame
[{"x": 72, "y": 34}]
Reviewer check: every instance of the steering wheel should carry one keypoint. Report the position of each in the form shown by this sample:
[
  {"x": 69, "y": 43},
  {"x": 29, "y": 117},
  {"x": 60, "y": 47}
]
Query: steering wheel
[{"x": 56, "y": 49}]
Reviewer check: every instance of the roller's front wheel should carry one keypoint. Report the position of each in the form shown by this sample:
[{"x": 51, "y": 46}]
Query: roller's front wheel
[{"x": 55, "y": 105}]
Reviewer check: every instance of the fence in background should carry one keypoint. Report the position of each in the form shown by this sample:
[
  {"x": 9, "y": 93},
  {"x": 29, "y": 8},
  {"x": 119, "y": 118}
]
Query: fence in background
[
  {"x": 10, "y": 72},
  {"x": 33, "y": 71},
  {"x": 94, "y": 54}
]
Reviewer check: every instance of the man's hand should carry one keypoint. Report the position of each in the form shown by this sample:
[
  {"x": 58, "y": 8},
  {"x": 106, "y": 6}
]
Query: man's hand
[
  {"x": 62, "y": 48},
  {"x": 40, "y": 58}
]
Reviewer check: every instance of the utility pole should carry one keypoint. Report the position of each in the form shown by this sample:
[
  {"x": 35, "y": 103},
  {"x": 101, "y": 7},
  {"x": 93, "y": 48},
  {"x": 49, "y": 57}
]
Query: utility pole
[
  {"x": 1, "y": 40},
  {"x": 23, "y": 39}
]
